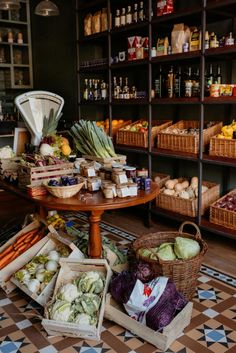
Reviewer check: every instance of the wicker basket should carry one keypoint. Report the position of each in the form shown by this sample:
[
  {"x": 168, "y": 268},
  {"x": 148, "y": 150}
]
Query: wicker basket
[
  {"x": 64, "y": 192},
  {"x": 222, "y": 147},
  {"x": 223, "y": 217},
  {"x": 140, "y": 139},
  {"x": 189, "y": 207},
  {"x": 184, "y": 273},
  {"x": 163, "y": 179},
  {"x": 186, "y": 143}
]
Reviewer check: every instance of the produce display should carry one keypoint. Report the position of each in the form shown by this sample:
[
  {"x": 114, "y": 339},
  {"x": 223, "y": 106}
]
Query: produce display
[
  {"x": 153, "y": 303},
  {"x": 228, "y": 202},
  {"x": 189, "y": 131},
  {"x": 90, "y": 140},
  {"x": 37, "y": 160},
  {"x": 22, "y": 243},
  {"x": 183, "y": 188},
  {"x": 6, "y": 152},
  {"x": 56, "y": 221},
  {"x": 228, "y": 131},
  {"x": 79, "y": 301},
  {"x": 37, "y": 273},
  {"x": 139, "y": 127},
  {"x": 63, "y": 181},
  {"x": 105, "y": 124},
  {"x": 183, "y": 248}
]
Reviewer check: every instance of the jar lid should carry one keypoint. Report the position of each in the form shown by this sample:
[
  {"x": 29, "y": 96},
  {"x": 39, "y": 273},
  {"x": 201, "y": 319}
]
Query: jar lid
[{"x": 130, "y": 168}]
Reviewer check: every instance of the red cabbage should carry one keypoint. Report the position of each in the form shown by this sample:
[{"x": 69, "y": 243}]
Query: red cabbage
[
  {"x": 122, "y": 285},
  {"x": 144, "y": 272}
]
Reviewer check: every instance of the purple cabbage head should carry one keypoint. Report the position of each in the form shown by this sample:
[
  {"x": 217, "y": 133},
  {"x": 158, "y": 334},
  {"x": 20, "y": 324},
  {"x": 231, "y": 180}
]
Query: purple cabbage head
[{"x": 122, "y": 285}]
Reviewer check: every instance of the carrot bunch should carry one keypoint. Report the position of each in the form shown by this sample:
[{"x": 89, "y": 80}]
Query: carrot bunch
[{"x": 21, "y": 244}]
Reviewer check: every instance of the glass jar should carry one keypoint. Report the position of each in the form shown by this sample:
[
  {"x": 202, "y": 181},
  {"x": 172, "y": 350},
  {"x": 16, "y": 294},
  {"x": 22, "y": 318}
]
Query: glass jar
[
  {"x": 94, "y": 184},
  {"x": 108, "y": 191},
  {"x": 133, "y": 189},
  {"x": 77, "y": 163},
  {"x": 142, "y": 172},
  {"x": 122, "y": 191},
  {"x": 130, "y": 172},
  {"x": 119, "y": 177},
  {"x": 87, "y": 170}
]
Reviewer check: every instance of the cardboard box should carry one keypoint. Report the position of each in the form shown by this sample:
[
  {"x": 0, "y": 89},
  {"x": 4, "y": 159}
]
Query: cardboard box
[
  {"x": 116, "y": 313},
  {"x": 12, "y": 267},
  {"x": 70, "y": 270},
  {"x": 48, "y": 243}
]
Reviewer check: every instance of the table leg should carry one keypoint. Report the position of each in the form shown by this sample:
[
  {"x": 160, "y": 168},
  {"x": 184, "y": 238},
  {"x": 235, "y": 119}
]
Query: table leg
[
  {"x": 43, "y": 212},
  {"x": 95, "y": 241}
]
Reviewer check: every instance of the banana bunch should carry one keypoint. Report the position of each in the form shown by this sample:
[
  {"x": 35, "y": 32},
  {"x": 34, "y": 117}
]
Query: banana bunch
[{"x": 227, "y": 131}]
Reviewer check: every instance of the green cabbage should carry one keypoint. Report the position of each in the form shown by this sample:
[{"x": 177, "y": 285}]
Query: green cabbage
[
  {"x": 186, "y": 248},
  {"x": 166, "y": 252},
  {"x": 90, "y": 282}
]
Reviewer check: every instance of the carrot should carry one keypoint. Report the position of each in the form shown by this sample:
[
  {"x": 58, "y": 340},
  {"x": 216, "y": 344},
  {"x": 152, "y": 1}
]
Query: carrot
[
  {"x": 6, "y": 260},
  {"x": 6, "y": 251},
  {"x": 21, "y": 248},
  {"x": 36, "y": 239},
  {"x": 24, "y": 236}
]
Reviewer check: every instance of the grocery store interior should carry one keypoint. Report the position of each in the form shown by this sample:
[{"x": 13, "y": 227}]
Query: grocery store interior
[{"x": 118, "y": 142}]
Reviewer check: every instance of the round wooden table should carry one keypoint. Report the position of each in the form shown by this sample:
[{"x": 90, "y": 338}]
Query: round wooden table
[{"x": 95, "y": 205}]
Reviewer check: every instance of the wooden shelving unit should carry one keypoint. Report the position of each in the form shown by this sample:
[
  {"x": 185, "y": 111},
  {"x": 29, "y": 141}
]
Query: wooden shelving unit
[{"x": 204, "y": 13}]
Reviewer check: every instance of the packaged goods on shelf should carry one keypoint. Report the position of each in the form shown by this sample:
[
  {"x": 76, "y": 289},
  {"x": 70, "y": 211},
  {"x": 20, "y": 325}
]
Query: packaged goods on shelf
[
  {"x": 136, "y": 134},
  {"x": 165, "y": 7},
  {"x": 223, "y": 211},
  {"x": 70, "y": 271},
  {"x": 95, "y": 23},
  {"x": 179, "y": 35},
  {"x": 52, "y": 243},
  {"x": 184, "y": 136}
]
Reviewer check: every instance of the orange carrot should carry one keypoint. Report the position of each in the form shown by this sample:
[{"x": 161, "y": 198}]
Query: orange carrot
[
  {"x": 6, "y": 260},
  {"x": 6, "y": 251},
  {"x": 25, "y": 235},
  {"x": 36, "y": 239}
]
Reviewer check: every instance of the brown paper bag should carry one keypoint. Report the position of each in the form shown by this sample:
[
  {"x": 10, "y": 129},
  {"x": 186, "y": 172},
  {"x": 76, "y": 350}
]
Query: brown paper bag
[
  {"x": 179, "y": 35},
  {"x": 88, "y": 24},
  {"x": 96, "y": 22}
]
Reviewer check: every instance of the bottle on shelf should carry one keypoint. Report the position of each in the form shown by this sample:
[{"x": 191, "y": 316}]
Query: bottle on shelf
[
  {"x": 229, "y": 40},
  {"x": 188, "y": 84},
  {"x": 196, "y": 84},
  {"x": 20, "y": 38},
  {"x": 135, "y": 13},
  {"x": 170, "y": 83},
  {"x": 85, "y": 93},
  {"x": 209, "y": 78},
  {"x": 141, "y": 14},
  {"x": 158, "y": 84},
  {"x": 90, "y": 90},
  {"x": 123, "y": 17},
  {"x": 115, "y": 88},
  {"x": 104, "y": 90},
  {"x": 120, "y": 95},
  {"x": 128, "y": 15},
  {"x": 95, "y": 90},
  {"x": 218, "y": 76},
  {"x": 214, "y": 43},
  {"x": 126, "y": 94},
  {"x": 207, "y": 40},
  {"x": 178, "y": 83},
  {"x": 117, "y": 18}
]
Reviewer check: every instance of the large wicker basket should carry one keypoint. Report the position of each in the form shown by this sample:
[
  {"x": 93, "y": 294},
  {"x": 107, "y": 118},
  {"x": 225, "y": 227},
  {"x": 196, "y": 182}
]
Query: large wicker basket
[
  {"x": 184, "y": 273},
  {"x": 64, "y": 192},
  {"x": 221, "y": 216},
  {"x": 185, "y": 142},
  {"x": 222, "y": 147}
]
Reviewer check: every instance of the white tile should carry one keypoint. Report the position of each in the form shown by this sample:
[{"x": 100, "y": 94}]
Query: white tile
[
  {"x": 4, "y": 302},
  {"x": 210, "y": 313},
  {"x": 48, "y": 349},
  {"x": 23, "y": 324},
  {"x": 204, "y": 279}
]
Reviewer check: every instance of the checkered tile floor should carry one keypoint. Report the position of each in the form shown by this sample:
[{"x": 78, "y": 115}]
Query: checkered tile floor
[{"x": 212, "y": 328}]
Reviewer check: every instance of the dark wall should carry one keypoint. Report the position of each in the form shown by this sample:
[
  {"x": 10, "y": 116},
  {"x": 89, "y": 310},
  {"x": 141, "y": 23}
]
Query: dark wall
[{"x": 54, "y": 54}]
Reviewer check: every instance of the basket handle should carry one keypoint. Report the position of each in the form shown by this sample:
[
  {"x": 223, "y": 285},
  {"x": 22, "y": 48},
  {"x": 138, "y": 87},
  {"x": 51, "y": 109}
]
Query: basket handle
[{"x": 198, "y": 233}]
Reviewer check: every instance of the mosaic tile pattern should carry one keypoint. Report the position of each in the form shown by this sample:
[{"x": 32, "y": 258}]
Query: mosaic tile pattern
[{"x": 212, "y": 328}]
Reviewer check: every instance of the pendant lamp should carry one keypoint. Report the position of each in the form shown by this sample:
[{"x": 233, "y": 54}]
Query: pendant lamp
[
  {"x": 9, "y": 4},
  {"x": 46, "y": 8}
]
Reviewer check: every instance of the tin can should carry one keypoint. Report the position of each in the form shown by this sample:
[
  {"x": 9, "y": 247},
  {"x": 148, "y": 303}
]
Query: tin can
[
  {"x": 215, "y": 90},
  {"x": 142, "y": 172}
]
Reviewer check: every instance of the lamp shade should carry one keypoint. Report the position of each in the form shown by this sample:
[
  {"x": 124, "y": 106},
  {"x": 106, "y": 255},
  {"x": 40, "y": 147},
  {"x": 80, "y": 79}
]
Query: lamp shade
[
  {"x": 9, "y": 4},
  {"x": 46, "y": 8}
]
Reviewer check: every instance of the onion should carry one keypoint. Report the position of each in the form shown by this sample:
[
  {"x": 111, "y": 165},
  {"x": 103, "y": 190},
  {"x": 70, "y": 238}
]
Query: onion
[{"x": 51, "y": 266}]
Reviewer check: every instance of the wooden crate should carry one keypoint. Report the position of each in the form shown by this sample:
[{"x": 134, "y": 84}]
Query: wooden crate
[
  {"x": 116, "y": 313},
  {"x": 140, "y": 139},
  {"x": 115, "y": 128},
  {"x": 37, "y": 175},
  {"x": 163, "y": 179},
  {"x": 11, "y": 268},
  {"x": 189, "y": 207},
  {"x": 221, "y": 216},
  {"x": 48, "y": 243},
  {"x": 186, "y": 143},
  {"x": 222, "y": 147},
  {"x": 70, "y": 270},
  {"x": 107, "y": 162}
]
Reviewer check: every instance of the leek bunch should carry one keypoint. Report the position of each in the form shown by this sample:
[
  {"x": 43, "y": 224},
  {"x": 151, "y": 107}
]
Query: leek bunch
[{"x": 92, "y": 140}]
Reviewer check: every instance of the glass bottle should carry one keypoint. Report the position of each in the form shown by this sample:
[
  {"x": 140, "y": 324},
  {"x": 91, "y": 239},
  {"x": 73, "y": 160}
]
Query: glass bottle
[
  {"x": 218, "y": 77},
  {"x": 207, "y": 40},
  {"x": 123, "y": 17},
  {"x": 135, "y": 13},
  {"x": 188, "y": 84},
  {"x": 126, "y": 94},
  {"x": 90, "y": 90},
  {"x": 128, "y": 16},
  {"x": 208, "y": 81},
  {"x": 117, "y": 18},
  {"x": 116, "y": 89},
  {"x": 141, "y": 15},
  {"x": 121, "y": 96},
  {"x": 85, "y": 94},
  {"x": 196, "y": 84},
  {"x": 95, "y": 91},
  {"x": 170, "y": 83},
  {"x": 99, "y": 94},
  {"x": 178, "y": 83},
  {"x": 158, "y": 84},
  {"x": 104, "y": 90},
  {"x": 229, "y": 40}
]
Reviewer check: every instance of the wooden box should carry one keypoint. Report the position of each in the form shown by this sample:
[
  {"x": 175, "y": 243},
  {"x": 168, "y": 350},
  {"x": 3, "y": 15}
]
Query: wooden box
[
  {"x": 221, "y": 216},
  {"x": 70, "y": 270},
  {"x": 189, "y": 207},
  {"x": 140, "y": 139},
  {"x": 107, "y": 162},
  {"x": 185, "y": 142},
  {"x": 48, "y": 243},
  {"x": 37, "y": 175},
  {"x": 11, "y": 268},
  {"x": 222, "y": 147},
  {"x": 116, "y": 313}
]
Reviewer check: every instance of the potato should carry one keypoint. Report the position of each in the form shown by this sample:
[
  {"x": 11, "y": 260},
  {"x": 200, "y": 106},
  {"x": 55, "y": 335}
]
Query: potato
[
  {"x": 194, "y": 180},
  {"x": 178, "y": 187},
  {"x": 185, "y": 184},
  {"x": 157, "y": 179},
  {"x": 184, "y": 195},
  {"x": 170, "y": 184},
  {"x": 169, "y": 192}
]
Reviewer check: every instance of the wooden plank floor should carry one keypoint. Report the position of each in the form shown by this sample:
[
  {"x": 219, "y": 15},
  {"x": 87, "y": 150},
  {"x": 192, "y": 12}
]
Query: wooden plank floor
[{"x": 221, "y": 253}]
